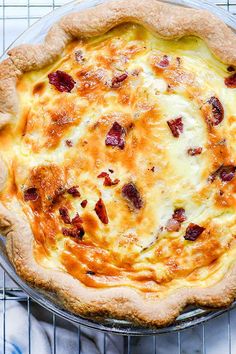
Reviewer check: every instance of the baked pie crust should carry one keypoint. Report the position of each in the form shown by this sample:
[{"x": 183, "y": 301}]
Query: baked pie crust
[{"x": 118, "y": 187}]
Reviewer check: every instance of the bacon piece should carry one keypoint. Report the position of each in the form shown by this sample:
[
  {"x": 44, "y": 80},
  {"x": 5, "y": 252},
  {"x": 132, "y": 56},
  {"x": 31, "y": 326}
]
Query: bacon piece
[
  {"x": 176, "y": 126},
  {"x": 116, "y": 136},
  {"x": 179, "y": 215},
  {"x": 103, "y": 174},
  {"x": 163, "y": 63},
  {"x": 74, "y": 191},
  {"x": 193, "y": 231},
  {"x": 62, "y": 81},
  {"x": 225, "y": 173},
  {"x": 75, "y": 232},
  {"x": 69, "y": 143},
  {"x": 116, "y": 81},
  {"x": 101, "y": 212},
  {"x": 217, "y": 111},
  {"x": 77, "y": 221},
  {"x": 194, "y": 151},
  {"x": 230, "y": 81},
  {"x": 107, "y": 179},
  {"x": 31, "y": 194},
  {"x": 173, "y": 225},
  {"x": 63, "y": 211},
  {"x": 108, "y": 182},
  {"x": 84, "y": 203},
  {"x": 130, "y": 192}
]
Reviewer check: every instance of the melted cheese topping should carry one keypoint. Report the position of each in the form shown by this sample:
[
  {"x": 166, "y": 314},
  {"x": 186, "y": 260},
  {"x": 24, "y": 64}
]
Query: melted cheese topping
[{"x": 135, "y": 248}]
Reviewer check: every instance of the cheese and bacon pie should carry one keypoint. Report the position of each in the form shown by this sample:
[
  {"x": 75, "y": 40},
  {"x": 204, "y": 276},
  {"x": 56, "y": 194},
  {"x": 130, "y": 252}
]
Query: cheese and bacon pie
[{"x": 118, "y": 161}]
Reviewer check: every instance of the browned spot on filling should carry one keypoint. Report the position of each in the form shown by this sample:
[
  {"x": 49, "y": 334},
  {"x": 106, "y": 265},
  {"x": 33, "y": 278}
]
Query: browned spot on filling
[
  {"x": 39, "y": 88},
  {"x": 48, "y": 181},
  {"x": 61, "y": 121}
]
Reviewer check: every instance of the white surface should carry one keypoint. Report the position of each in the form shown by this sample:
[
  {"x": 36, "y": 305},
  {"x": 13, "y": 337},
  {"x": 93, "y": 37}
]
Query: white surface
[{"x": 216, "y": 331}]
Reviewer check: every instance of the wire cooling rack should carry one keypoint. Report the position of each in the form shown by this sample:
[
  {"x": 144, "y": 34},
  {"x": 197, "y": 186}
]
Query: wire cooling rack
[{"x": 215, "y": 336}]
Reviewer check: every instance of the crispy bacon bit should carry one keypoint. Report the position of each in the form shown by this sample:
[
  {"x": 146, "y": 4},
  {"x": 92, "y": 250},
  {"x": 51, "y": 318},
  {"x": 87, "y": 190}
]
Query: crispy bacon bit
[
  {"x": 58, "y": 193},
  {"x": 193, "y": 231},
  {"x": 108, "y": 182},
  {"x": 116, "y": 81},
  {"x": 116, "y": 136},
  {"x": 31, "y": 194},
  {"x": 74, "y": 191},
  {"x": 173, "y": 225},
  {"x": 179, "y": 215},
  {"x": 130, "y": 192},
  {"x": 103, "y": 174},
  {"x": 84, "y": 203},
  {"x": 176, "y": 126},
  {"x": 194, "y": 151},
  {"x": 63, "y": 211},
  {"x": 163, "y": 63},
  {"x": 107, "y": 179},
  {"x": 230, "y": 81},
  {"x": 217, "y": 111},
  {"x": 230, "y": 69},
  {"x": 62, "y": 81},
  {"x": 79, "y": 56},
  {"x": 101, "y": 212},
  {"x": 225, "y": 173},
  {"x": 75, "y": 232},
  {"x": 69, "y": 143},
  {"x": 77, "y": 221}
]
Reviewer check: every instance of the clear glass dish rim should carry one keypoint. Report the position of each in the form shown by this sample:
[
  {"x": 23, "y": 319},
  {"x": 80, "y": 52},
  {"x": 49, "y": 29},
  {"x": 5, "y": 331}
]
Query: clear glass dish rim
[{"x": 192, "y": 317}]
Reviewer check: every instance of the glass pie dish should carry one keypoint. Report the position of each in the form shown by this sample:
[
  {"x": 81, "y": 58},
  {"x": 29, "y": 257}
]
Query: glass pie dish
[{"x": 191, "y": 316}]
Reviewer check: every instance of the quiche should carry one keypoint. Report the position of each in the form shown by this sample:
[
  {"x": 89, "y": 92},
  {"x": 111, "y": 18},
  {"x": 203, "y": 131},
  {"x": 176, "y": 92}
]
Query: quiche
[{"x": 118, "y": 161}]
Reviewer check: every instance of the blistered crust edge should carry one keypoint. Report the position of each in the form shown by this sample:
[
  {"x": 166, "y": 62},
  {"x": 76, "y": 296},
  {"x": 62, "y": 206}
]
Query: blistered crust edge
[{"x": 169, "y": 22}]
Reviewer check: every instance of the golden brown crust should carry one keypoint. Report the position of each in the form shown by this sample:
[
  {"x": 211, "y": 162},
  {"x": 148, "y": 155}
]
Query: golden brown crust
[
  {"x": 8, "y": 95},
  {"x": 3, "y": 174},
  {"x": 169, "y": 22}
]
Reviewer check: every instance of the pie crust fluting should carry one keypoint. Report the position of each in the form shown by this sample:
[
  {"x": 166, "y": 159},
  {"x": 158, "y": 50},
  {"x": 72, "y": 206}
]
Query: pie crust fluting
[{"x": 118, "y": 161}]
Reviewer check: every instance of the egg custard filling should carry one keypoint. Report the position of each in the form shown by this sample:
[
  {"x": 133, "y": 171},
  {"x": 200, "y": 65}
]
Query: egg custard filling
[{"x": 123, "y": 160}]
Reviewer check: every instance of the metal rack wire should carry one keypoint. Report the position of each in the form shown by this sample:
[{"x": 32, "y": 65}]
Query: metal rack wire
[{"x": 15, "y": 17}]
